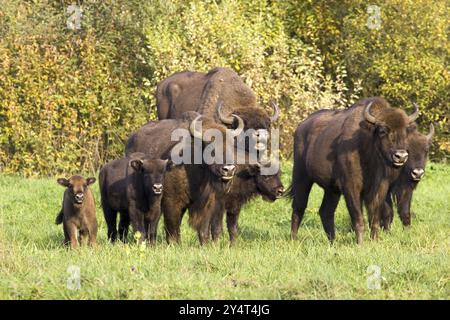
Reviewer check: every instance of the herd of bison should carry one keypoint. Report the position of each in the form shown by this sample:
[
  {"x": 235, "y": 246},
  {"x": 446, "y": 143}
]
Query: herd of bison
[{"x": 370, "y": 153}]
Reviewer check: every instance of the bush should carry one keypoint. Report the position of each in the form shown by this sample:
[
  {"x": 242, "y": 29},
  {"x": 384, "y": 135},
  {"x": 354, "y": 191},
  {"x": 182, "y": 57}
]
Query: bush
[{"x": 70, "y": 98}]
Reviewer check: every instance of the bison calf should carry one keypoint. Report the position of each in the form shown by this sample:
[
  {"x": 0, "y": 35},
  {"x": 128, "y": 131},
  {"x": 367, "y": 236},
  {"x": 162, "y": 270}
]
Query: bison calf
[
  {"x": 247, "y": 184},
  {"x": 402, "y": 189},
  {"x": 133, "y": 186},
  {"x": 78, "y": 211}
]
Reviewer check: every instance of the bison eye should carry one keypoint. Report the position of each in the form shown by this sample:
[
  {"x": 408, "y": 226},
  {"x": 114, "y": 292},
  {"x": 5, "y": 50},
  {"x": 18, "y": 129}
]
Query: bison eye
[{"x": 382, "y": 131}]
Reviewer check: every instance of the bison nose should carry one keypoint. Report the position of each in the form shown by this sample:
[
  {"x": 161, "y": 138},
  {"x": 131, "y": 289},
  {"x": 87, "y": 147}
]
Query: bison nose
[
  {"x": 79, "y": 197},
  {"x": 399, "y": 158},
  {"x": 157, "y": 188},
  {"x": 227, "y": 171},
  {"x": 280, "y": 192},
  {"x": 417, "y": 174}
]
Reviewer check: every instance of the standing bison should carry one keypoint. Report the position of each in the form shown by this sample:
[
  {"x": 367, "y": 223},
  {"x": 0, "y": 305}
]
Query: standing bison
[
  {"x": 248, "y": 183},
  {"x": 133, "y": 186},
  {"x": 402, "y": 189},
  {"x": 193, "y": 185},
  {"x": 357, "y": 152},
  {"x": 218, "y": 94},
  {"x": 197, "y": 91}
]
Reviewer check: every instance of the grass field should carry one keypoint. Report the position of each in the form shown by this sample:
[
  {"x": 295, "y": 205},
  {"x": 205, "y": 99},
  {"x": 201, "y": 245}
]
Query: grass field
[{"x": 265, "y": 264}]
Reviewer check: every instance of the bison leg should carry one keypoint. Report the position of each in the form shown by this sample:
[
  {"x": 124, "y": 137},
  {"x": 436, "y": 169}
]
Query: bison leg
[
  {"x": 66, "y": 235},
  {"x": 299, "y": 203},
  {"x": 124, "y": 224},
  {"x": 93, "y": 234},
  {"x": 216, "y": 225},
  {"x": 387, "y": 213},
  {"x": 404, "y": 206},
  {"x": 354, "y": 207},
  {"x": 111, "y": 222},
  {"x": 151, "y": 224},
  {"x": 72, "y": 232},
  {"x": 326, "y": 211},
  {"x": 232, "y": 225},
  {"x": 172, "y": 223},
  {"x": 84, "y": 237},
  {"x": 137, "y": 221}
]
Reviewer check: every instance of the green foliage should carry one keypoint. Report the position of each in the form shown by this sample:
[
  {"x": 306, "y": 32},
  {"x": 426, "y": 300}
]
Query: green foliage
[
  {"x": 70, "y": 98},
  {"x": 264, "y": 264},
  {"x": 404, "y": 60}
]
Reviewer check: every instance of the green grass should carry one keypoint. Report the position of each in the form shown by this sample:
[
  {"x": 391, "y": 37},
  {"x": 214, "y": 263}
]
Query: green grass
[{"x": 264, "y": 264}]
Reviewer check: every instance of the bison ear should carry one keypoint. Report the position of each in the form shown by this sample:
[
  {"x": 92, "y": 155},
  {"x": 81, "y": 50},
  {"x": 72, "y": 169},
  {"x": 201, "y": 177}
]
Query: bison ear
[
  {"x": 64, "y": 182},
  {"x": 90, "y": 181},
  {"x": 136, "y": 164}
]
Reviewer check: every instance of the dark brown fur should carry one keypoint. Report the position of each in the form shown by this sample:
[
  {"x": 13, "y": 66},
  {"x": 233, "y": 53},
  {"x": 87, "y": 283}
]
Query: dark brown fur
[
  {"x": 401, "y": 191},
  {"x": 346, "y": 154},
  {"x": 247, "y": 184},
  {"x": 133, "y": 186},
  {"x": 197, "y": 91},
  {"x": 78, "y": 211},
  {"x": 193, "y": 188}
]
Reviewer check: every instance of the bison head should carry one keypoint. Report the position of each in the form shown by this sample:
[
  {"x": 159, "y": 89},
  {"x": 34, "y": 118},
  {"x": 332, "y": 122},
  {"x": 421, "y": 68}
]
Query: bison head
[
  {"x": 221, "y": 145},
  {"x": 391, "y": 131},
  {"x": 269, "y": 186},
  {"x": 254, "y": 118},
  {"x": 77, "y": 187},
  {"x": 151, "y": 172},
  {"x": 418, "y": 146}
]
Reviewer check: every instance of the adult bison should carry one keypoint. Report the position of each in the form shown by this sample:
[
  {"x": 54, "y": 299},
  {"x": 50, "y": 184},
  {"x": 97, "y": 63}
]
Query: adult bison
[
  {"x": 197, "y": 91},
  {"x": 194, "y": 185},
  {"x": 356, "y": 152},
  {"x": 402, "y": 189}
]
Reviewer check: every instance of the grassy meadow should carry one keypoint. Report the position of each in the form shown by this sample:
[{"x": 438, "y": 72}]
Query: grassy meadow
[{"x": 264, "y": 264}]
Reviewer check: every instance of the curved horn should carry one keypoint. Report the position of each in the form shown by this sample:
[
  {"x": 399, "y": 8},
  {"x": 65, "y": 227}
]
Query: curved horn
[
  {"x": 193, "y": 129},
  {"x": 224, "y": 118},
  {"x": 368, "y": 116},
  {"x": 240, "y": 126},
  {"x": 412, "y": 117},
  {"x": 276, "y": 112},
  {"x": 431, "y": 133}
]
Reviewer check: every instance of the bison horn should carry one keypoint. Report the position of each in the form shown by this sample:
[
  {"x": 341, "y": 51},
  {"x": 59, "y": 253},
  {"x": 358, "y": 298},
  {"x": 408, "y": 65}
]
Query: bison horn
[
  {"x": 415, "y": 114},
  {"x": 193, "y": 128},
  {"x": 431, "y": 133},
  {"x": 368, "y": 116},
  {"x": 240, "y": 126},
  {"x": 224, "y": 118},
  {"x": 276, "y": 112}
]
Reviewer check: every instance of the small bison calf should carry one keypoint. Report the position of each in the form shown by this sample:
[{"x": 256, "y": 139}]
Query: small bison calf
[
  {"x": 133, "y": 186},
  {"x": 78, "y": 211},
  {"x": 247, "y": 184}
]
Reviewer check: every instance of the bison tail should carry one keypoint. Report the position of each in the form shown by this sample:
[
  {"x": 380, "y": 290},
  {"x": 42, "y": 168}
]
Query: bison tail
[{"x": 59, "y": 217}]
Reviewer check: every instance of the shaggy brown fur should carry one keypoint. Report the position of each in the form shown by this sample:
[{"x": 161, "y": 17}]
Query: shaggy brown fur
[
  {"x": 193, "y": 188},
  {"x": 196, "y": 91},
  {"x": 78, "y": 211},
  {"x": 345, "y": 153}
]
